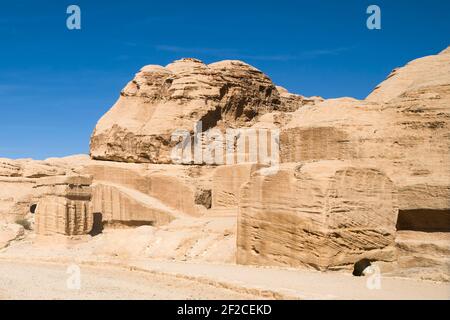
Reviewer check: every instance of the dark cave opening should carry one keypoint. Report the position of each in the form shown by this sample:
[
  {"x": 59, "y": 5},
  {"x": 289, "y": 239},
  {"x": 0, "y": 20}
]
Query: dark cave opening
[
  {"x": 360, "y": 266},
  {"x": 97, "y": 226},
  {"x": 33, "y": 208},
  {"x": 128, "y": 224},
  {"x": 424, "y": 220}
]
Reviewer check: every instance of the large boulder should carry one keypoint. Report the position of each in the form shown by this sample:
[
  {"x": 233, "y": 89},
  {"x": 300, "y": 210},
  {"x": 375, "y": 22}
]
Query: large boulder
[
  {"x": 325, "y": 215},
  {"x": 161, "y": 100}
]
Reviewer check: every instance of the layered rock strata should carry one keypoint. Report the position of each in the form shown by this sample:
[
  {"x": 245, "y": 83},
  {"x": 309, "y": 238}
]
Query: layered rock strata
[{"x": 64, "y": 206}]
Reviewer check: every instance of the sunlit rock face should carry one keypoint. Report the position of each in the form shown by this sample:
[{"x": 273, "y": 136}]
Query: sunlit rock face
[
  {"x": 18, "y": 177},
  {"x": 357, "y": 181},
  {"x": 64, "y": 206},
  {"x": 325, "y": 215},
  {"x": 402, "y": 129},
  {"x": 161, "y": 100}
]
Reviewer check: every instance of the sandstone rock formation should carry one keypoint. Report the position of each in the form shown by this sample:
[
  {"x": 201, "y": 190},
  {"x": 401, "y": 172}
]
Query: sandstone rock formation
[
  {"x": 402, "y": 129},
  {"x": 427, "y": 72},
  {"x": 10, "y": 232},
  {"x": 358, "y": 180},
  {"x": 205, "y": 239},
  {"x": 18, "y": 177},
  {"x": 64, "y": 206},
  {"x": 161, "y": 100},
  {"x": 227, "y": 183},
  {"x": 325, "y": 215},
  {"x": 172, "y": 189}
]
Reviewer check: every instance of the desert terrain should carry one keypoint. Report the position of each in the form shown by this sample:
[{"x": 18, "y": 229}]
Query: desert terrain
[{"x": 342, "y": 199}]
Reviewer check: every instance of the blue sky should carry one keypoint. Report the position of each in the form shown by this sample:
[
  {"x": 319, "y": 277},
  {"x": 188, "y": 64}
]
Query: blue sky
[{"x": 56, "y": 83}]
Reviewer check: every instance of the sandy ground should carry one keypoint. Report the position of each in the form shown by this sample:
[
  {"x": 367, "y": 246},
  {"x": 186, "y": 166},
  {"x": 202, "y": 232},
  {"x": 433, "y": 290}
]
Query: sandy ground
[
  {"x": 31, "y": 269},
  {"x": 150, "y": 279},
  {"x": 49, "y": 281},
  {"x": 285, "y": 283}
]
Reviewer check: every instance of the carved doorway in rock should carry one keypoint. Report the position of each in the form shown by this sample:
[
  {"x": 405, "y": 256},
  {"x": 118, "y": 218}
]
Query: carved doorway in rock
[{"x": 97, "y": 226}]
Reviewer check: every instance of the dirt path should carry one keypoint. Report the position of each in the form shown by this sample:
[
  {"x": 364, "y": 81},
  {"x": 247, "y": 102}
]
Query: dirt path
[
  {"x": 177, "y": 280},
  {"x": 49, "y": 281},
  {"x": 304, "y": 284}
]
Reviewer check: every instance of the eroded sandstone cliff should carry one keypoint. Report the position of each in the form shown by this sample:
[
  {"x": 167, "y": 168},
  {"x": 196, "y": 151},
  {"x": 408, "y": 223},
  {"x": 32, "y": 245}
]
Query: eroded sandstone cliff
[
  {"x": 357, "y": 179},
  {"x": 161, "y": 100}
]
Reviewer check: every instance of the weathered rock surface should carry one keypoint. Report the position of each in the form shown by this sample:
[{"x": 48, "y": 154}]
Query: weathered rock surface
[
  {"x": 227, "y": 183},
  {"x": 411, "y": 147},
  {"x": 423, "y": 255},
  {"x": 28, "y": 168},
  {"x": 359, "y": 179},
  {"x": 409, "y": 128},
  {"x": 176, "y": 187},
  {"x": 64, "y": 206},
  {"x": 15, "y": 197},
  {"x": 121, "y": 205},
  {"x": 326, "y": 215},
  {"x": 161, "y": 100},
  {"x": 427, "y": 72},
  {"x": 402, "y": 129},
  {"x": 10, "y": 232},
  {"x": 18, "y": 177},
  {"x": 185, "y": 239}
]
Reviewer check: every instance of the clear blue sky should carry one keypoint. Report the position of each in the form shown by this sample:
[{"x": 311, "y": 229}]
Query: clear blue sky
[{"x": 55, "y": 83}]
